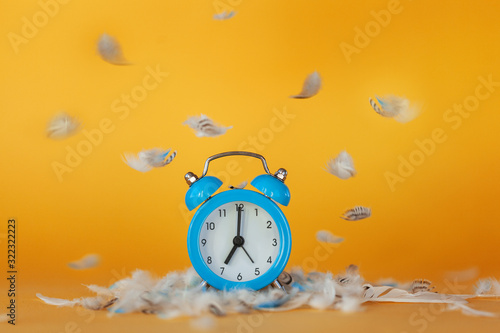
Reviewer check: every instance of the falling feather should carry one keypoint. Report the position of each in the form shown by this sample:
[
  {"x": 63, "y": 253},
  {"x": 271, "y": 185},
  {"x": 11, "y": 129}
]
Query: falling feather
[
  {"x": 342, "y": 166},
  {"x": 62, "y": 126},
  {"x": 224, "y": 15},
  {"x": 240, "y": 185},
  {"x": 327, "y": 237},
  {"x": 395, "y": 107},
  {"x": 312, "y": 85},
  {"x": 357, "y": 213},
  {"x": 148, "y": 159},
  {"x": 110, "y": 50},
  {"x": 205, "y": 126},
  {"x": 88, "y": 261}
]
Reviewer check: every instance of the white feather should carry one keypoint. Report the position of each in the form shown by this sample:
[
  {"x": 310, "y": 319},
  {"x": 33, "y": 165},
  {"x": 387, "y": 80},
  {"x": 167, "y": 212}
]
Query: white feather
[
  {"x": 86, "y": 262},
  {"x": 62, "y": 126},
  {"x": 57, "y": 301},
  {"x": 466, "y": 310},
  {"x": 342, "y": 166},
  {"x": 488, "y": 287},
  {"x": 396, "y": 107},
  {"x": 327, "y": 237},
  {"x": 389, "y": 294},
  {"x": 324, "y": 293},
  {"x": 110, "y": 50},
  {"x": 204, "y": 126},
  {"x": 224, "y": 15},
  {"x": 312, "y": 85},
  {"x": 240, "y": 185},
  {"x": 357, "y": 213}
]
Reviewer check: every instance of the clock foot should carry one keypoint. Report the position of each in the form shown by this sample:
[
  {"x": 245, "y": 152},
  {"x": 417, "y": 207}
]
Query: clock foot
[{"x": 204, "y": 285}]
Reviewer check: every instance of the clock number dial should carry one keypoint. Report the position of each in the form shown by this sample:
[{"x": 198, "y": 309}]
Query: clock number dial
[{"x": 233, "y": 243}]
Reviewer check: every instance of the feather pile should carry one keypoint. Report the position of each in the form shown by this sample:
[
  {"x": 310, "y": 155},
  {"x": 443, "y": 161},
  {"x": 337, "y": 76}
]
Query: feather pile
[
  {"x": 181, "y": 294},
  {"x": 148, "y": 159},
  {"x": 395, "y": 107},
  {"x": 62, "y": 126},
  {"x": 312, "y": 85},
  {"x": 88, "y": 261},
  {"x": 204, "y": 126},
  {"x": 224, "y": 15},
  {"x": 342, "y": 166},
  {"x": 357, "y": 213},
  {"x": 110, "y": 50}
]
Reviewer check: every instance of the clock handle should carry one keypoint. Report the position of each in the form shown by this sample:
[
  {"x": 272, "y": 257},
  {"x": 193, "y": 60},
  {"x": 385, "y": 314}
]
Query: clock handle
[{"x": 232, "y": 153}]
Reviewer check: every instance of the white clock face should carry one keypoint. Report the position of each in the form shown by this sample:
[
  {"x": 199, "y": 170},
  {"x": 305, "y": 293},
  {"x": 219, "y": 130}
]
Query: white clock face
[{"x": 242, "y": 256}]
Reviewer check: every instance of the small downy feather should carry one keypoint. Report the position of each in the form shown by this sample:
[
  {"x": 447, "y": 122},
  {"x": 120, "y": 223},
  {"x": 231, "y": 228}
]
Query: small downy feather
[
  {"x": 240, "y": 185},
  {"x": 488, "y": 287},
  {"x": 110, "y": 50},
  {"x": 357, "y": 213},
  {"x": 326, "y": 236},
  {"x": 148, "y": 159},
  {"x": 342, "y": 166},
  {"x": 395, "y": 107},
  {"x": 86, "y": 262},
  {"x": 61, "y": 126},
  {"x": 224, "y": 15},
  {"x": 204, "y": 126},
  {"x": 312, "y": 85}
]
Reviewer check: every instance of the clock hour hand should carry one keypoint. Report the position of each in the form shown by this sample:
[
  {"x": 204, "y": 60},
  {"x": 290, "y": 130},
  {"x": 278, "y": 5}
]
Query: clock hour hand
[{"x": 231, "y": 254}]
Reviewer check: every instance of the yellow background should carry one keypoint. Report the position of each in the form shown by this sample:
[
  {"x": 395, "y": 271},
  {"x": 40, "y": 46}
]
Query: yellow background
[{"x": 240, "y": 72}]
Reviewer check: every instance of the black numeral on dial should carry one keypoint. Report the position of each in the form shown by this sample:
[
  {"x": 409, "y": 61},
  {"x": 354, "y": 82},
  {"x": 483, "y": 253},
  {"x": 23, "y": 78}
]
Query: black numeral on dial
[
  {"x": 239, "y": 277},
  {"x": 209, "y": 260},
  {"x": 222, "y": 270},
  {"x": 269, "y": 225},
  {"x": 257, "y": 272},
  {"x": 204, "y": 241},
  {"x": 275, "y": 242},
  {"x": 210, "y": 225},
  {"x": 269, "y": 260}
]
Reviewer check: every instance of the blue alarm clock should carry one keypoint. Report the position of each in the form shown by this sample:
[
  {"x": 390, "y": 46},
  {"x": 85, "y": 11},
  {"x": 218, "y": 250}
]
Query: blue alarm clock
[{"x": 239, "y": 238}]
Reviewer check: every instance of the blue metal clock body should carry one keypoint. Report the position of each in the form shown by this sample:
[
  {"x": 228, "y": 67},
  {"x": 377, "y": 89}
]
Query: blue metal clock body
[{"x": 198, "y": 222}]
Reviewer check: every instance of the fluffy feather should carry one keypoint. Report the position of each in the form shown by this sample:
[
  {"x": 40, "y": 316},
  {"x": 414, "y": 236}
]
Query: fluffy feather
[
  {"x": 86, "y": 262},
  {"x": 224, "y": 15},
  {"x": 312, "y": 85},
  {"x": 420, "y": 285},
  {"x": 61, "y": 126},
  {"x": 342, "y": 166},
  {"x": 204, "y": 126},
  {"x": 395, "y": 107},
  {"x": 488, "y": 287},
  {"x": 110, "y": 50},
  {"x": 240, "y": 185},
  {"x": 327, "y": 237},
  {"x": 148, "y": 159},
  {"x": 357, "y": 213}
]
